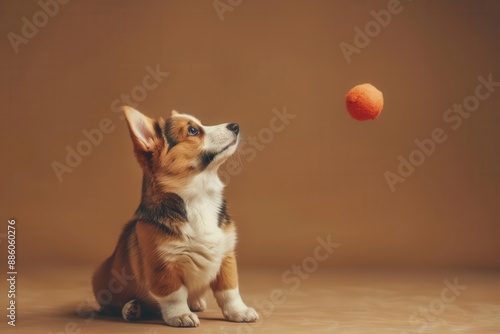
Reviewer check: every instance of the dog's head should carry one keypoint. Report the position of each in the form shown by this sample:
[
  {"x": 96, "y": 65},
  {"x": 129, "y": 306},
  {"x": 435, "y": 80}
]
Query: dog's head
[{"x": 180, "y": 147}]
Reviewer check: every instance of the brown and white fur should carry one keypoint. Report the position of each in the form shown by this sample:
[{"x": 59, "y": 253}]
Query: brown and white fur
[{"x": 180, "y": 240}]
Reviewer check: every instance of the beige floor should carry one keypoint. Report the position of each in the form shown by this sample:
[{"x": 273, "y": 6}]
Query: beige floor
[{"x": 325, "y": 302}]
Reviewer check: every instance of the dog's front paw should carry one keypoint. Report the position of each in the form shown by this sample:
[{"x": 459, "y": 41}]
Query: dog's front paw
[
  {"x": 198, "y": 305},
  {"x": 246, "y": 314},
  {"x": 183, "y": 320}
]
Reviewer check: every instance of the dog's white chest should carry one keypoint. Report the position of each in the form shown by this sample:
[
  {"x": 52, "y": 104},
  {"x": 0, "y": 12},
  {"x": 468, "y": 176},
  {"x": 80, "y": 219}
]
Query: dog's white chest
[{"x": 204, "y": 243}]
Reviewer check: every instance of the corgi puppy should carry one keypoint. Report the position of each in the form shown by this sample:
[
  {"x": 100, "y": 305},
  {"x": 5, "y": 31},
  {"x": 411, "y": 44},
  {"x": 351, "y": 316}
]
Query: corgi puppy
[{"x": 180, "y": 241}]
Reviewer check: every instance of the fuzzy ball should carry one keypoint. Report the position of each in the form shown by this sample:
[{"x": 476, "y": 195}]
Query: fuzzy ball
[{"x": 364, "y": 102}]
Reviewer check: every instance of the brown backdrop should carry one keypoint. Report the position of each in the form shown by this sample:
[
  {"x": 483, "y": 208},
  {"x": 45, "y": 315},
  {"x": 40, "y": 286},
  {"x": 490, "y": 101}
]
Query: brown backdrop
[{"x": 322, "y": 175}]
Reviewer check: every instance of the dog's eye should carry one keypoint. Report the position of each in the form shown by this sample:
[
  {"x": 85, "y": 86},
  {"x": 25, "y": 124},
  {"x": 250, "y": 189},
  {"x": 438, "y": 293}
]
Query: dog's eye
[{"x": 192, "y": 131}]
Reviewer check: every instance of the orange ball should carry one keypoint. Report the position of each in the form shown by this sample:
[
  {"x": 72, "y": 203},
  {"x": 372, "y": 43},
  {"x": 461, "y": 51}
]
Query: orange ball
[{"x": 364, "y": 102}]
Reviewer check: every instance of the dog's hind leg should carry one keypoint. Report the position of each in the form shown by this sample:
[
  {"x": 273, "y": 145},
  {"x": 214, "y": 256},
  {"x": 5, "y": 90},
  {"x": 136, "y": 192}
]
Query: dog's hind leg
[{"x": 132, "y": 310}]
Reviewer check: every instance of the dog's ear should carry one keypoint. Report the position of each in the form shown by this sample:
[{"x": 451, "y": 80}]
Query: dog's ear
[
  {"x": 174, "y": 113},
  {"x": 143, "y": 130}
]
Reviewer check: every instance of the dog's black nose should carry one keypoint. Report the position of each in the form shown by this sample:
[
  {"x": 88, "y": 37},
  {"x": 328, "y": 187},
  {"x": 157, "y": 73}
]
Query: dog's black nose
[{"x": 233, "y": 127}]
